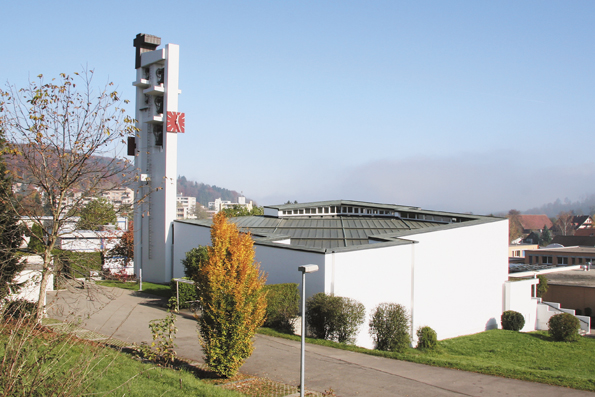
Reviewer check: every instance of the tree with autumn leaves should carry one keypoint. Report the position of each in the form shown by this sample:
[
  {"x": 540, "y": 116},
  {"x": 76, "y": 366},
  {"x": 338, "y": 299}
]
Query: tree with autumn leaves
[
  {"x": 65, "y": 134},
  {"x": 229, "y": 286}
]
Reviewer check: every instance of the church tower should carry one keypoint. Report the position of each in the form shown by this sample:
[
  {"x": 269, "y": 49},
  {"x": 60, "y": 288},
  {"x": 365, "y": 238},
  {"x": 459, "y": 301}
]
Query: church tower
[{"x": 155, "y": 148}]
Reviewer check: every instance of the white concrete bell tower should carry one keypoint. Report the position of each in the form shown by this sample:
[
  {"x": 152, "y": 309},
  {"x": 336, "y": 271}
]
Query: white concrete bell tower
[{"x": 155, "y": 148}]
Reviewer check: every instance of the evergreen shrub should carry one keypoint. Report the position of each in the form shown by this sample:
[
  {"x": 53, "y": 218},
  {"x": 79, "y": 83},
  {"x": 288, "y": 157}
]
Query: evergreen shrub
[
  {"x": 512, "y": 321},
  {"x": 564, "y": 327},
  {"x": 427, "y": 339},
  {"x": 283, "y": 306},
  {"x": 19, "y": 308},
  {"x": 187, "y": 293},
  {"x": 542, "y": 287},
  {"x": 334, "y": 318},
  {"x": 389, "y": 327}
]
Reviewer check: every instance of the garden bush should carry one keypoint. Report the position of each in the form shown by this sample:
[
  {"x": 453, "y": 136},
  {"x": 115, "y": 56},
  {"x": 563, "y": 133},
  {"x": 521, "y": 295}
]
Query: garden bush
[
  {"x": 334, "y": 318},
  {"x": 389, "y": 327},
  {"x": 187, "y": 293},
  {"x": 283, "y": 306},
  {"x": 512, "y": 321},
  {"x": 564, "y": 327},
  {"x": 194, "y": 258},
  {"x": 427, "y": 339}
]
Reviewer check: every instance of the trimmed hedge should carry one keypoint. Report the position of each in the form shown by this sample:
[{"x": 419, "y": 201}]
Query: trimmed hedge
[
  {"x": 512, "y": 321},
  {"x": 283, "y": 306},
  {"x": 187, "y": 293}
]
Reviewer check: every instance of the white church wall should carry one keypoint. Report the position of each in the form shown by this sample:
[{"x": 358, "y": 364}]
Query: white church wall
[
  {"x": 372, "y": 276},
  {"x": 281, "y": 265},
  {"x": 458, "y": 278},
  {"x": 186, "y": 237},
  {"x": 517, "y": 297}
]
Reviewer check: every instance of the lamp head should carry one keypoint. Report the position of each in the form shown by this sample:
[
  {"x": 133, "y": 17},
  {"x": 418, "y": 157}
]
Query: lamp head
[{"x": 308, "y": 268}]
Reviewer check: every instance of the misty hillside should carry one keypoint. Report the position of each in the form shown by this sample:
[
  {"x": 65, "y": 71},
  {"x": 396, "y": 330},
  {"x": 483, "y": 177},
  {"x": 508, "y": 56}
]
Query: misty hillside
[{"x": 582, "y": 207}]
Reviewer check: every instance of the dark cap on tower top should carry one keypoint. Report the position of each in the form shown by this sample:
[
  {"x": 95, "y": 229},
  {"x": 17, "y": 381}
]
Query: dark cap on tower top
[{"x": 144, "y": 43}]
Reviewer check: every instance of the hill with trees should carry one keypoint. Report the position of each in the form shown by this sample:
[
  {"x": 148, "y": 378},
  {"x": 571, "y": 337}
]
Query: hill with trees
[
  {"x": 205, "y": 193},
  {"x": 579, "y": 207}
]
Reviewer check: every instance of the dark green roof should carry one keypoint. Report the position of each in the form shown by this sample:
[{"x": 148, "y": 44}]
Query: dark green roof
[{"x": 345, "y": 231}]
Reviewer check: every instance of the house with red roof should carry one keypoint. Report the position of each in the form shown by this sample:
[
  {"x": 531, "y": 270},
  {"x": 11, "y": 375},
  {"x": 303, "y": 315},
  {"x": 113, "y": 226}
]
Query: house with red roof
[{"x": 533, "y": 223}]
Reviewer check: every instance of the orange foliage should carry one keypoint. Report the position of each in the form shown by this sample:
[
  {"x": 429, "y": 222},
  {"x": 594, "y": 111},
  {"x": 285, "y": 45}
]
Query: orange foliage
[{"x": 229, "y": 286}]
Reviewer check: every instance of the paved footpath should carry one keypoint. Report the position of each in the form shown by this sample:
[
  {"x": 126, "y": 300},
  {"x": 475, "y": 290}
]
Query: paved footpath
[{"x": 125, "y": 315}]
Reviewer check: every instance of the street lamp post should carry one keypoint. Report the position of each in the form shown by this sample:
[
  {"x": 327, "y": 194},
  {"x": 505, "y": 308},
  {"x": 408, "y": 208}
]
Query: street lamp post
[{"x": 304, "y": 269}]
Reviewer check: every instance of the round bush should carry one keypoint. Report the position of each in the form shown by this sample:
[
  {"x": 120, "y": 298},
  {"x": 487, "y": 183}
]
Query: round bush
[
  {"x": 564, "y": 327},
  {"x": 389, "y": 327},
  {"x": 426, "y": 338},
  {"x": 512, "y": 321}
]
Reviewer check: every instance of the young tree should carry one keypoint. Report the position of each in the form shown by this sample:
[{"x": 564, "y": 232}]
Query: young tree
[
  {"x": 230, "y": 290},
  {"x": 515, "y": 230},
  {"x": 389, "y": 327},
  {"x": 10, "y": 236},
  {"x": 199, "y": 212},
  {"x": 125, "y": 247},
  {"x": 64, "y": 135},
  {"x": 564, "y": 223},
  {"x": 546, "y": 237},
  {"x": 95, "y": 214}
]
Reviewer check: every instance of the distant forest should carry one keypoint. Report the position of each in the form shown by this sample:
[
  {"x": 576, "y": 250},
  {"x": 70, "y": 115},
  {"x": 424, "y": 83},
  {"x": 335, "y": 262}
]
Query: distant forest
[
  {"x": 205, "y": 193},
  {"x": 581, "y": 207}
]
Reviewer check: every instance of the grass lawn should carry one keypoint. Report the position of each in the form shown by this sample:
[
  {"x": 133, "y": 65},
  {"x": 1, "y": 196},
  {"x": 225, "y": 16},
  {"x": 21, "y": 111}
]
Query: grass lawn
[
  {"x": 148, "y": 288},
  {"x": 532, "y": 356},
  {"x": 60, "y": 360}
]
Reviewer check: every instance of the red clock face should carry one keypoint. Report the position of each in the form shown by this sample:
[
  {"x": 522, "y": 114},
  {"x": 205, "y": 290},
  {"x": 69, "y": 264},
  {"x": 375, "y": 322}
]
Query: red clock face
[{"x": 176, "y": 122}]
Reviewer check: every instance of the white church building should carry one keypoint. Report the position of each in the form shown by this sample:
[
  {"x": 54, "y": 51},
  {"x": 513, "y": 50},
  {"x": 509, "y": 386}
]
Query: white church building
[{"x": 448, "y": 269}]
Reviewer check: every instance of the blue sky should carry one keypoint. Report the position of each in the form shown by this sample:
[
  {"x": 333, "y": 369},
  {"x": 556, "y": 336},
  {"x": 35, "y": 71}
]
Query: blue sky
[{"x": 447, "y": 105}]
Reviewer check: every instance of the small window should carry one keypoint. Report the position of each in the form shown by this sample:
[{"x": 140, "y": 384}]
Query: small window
[
  {"x": 301, "y": 211},
  {"x": 350, "y": 209},
  {"x": 356, "y": 210},
  {"x": 307, "y": 210},
  {"x": 326, "y": 210}
]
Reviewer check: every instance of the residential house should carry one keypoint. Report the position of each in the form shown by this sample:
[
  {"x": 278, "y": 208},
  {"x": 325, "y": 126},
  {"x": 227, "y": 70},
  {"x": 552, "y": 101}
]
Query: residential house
[{"x": 534, "y": 223}]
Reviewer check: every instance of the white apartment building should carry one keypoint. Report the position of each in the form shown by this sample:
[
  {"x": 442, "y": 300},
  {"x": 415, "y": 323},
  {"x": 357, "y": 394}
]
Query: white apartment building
[
  {"x": 119, "y": 196},
  {"x": 218, "y": 204},
  {"x": 185, "y": 207}
]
